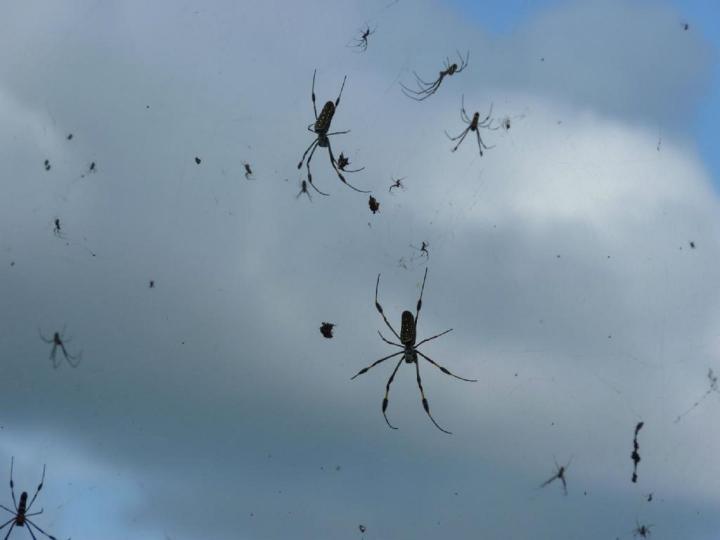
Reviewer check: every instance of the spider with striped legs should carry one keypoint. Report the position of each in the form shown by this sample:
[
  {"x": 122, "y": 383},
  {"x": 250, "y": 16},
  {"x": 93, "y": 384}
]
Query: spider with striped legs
[
  {"x": 409, "y": 351},
  {"x": 427, "y": 89},
  {"x": 473, "y": 125},
  {"x": 320, "y": 127},
  {"x": 20, "y": 514}
]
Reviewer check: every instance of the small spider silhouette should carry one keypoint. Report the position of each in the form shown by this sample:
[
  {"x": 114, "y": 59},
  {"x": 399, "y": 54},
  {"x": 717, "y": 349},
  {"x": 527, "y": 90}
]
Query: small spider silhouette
[
  {"x": 427, "y": 89},
  {"x": 47, "y": 165},
  {"x": 361, "y": 43},
  {"x": 198, "y": 160},
  {"x": 70, "y": 136},
  {"x": 473, "y": 125},
  {"x": 57, "y": 228},
  {"x": 152, "y": 283},
  {"x": 362, "y": 528},
  {"x": 396, "y": 184},
  {"x": 559, "y": 475},
  {"x": 58, "y": 341},
  {"x": 321, "y": 128},
  {"x": 303, "y": 189},
  {"x": 409, "y": 351},
  {"x": 248, "y": 171},
  {"x": 21, "y": 517},
  {"x": 326, "y": 329},
  {"x": 373, "y": 204},
  {"x": 343, "y": 162},
  {"x": 423, "y": 249},
  {"x": 643, "y": 531}
]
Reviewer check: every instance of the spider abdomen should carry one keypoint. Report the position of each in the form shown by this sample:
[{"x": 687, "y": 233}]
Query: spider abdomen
[
  {"x": 475, "y": 120},
  {"x": 407, "y": 329},
  {"x": 322, "y": 124}
]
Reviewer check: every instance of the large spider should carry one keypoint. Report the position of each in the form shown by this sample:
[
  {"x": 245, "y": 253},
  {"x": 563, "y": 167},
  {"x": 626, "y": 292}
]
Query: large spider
[
  {"x": 409, "y": 352},
  {"x": 320, "y": 127},
  {"x": 20, "y": 514},
  {"x": 473, "y": 125},
  {"x": 427, "y": 89}
]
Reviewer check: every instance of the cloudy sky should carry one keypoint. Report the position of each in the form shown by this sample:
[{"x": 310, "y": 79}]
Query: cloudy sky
[{"x": 210, "y": 407}]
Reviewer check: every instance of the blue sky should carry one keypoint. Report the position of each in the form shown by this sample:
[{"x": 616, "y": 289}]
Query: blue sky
[{"x": 211, "y": 407}]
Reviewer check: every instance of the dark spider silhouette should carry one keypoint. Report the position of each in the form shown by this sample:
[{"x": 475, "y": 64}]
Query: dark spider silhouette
[
  {"x": 427, "y": 89},
  {"x": 70, "y": 136},
  {"x": 47, "y": 164},
  {"x": 92, "y": 168},
  {"x": 20, "y": 514},
  {"x": 326, "y": 329},
  {"x": 303, "y": 189},
  {"x": 373, "y": 204},
  {"x": 248, "y": 171},
  {"x": 396, "y": 184},
  {"x": 58, "y": 341},
  {"x": 320, "y": 127},
  {"x": 409, "y": 352},
  {"x": 473, "y": 125},
  {"x": 343, "y": 162},
  {"x": 57, "y": 229},
  {"x": 642, "y": 530},
  {"x": 559, "y": 475},
  {"x": 197, "y": 160},
  {"x": 635, "y": 456},
  {"x": 422, "y": 249},
  {"x": 362, "y": 528},
  {"x": 152, "y": 283},
  {"x": 361, "y": 43}
]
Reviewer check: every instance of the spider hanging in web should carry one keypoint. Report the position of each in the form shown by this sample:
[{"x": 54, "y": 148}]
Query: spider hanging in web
[
  {"x": 361, "y": 43},
  {"x": 320, "y": 127},
  {"x": 343, "y": 162},
  {"x": 642, "y": 531},
  {"x": 397, "y": 183},
  {"x": 427, "y": 89},
  {"x": 473, "y": 125},
  {"x": 20, "y": 514},
  {"x": 58, "y": 341},
  {"x": 559, "y": 475},
  {"x": 409, "y": 351}
]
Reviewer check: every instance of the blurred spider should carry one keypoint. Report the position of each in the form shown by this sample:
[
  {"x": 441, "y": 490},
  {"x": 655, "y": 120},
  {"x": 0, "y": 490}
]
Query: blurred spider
[
  {"x": 427, "y": 89},
  {"x": 373, "y": 204},
  {"x": 422, "y": 249},
  {"x": 326, "y": 329},
  {"x": 343, "y": 162},
  {"x": 303, "y": 189},
  {"x": 473, "y": 125},
  {"x": 57, "y": 341},
  {"x": 409, "y": 351},
  {"x": 47, "y": 165},
  {"x": 560, "y": 474},
  {"x": 248, "y": 171},
  {"x": 642, "y": 530},
  {"x": 361, "y": 43},
  {"x": 20, "y": 514},
  {"x": 57, "y": 229},
  {"x": 396, "y": 184},
  {"x": 321, "y": 128}
]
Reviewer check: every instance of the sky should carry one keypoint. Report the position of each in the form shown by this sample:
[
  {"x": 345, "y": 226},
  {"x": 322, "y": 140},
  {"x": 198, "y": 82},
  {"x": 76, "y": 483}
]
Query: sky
[{"x": 210, "y": 406}]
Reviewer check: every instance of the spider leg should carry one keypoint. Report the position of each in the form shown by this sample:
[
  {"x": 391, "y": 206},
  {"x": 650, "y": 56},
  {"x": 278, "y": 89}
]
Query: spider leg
[
  {"x": 8, "y": 510},
  {"x": 337, "y": 133},
  {"x": 39, "y": 529},
  {"x": 337, "y": 101},
  {"x": 375, "y": 363},
  {"x": 388, "y": 341},
  {"x": 387, "y": 391},
  {"x": 53, "y": 354},
  {"x": 312, "y": 144},
  {"x": 334, "y": 165},
  {"x": 46, "y": 340},
  {"x": 463, "y": 61},
  {"x": 10, "y": 529},
  {"x": 12, "y": 484},
  {"x": 562, "y": 478},
  {"x": 6, "y": 524},
  {"x": 380, "y": 309},
  {"x": 433, "y": 337},
  {"x": 419, "y": 302},
  {"x": 40, "y": 485},
  {"x": 307, "y": 163},
  {"x": 463, "y": 113},
  {"x": 480, "y": 142},
  {"x": 549, "y": 481},
  {"x": 425, "y": 401},
  {"x": 313, "y": 96},
  {"x": 35, "y": 513},
  {"x": 443, "y": 369}
]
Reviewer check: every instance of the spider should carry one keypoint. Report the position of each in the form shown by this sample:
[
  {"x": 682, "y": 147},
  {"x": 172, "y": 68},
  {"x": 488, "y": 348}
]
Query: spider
[
  {"x": 409, "y": 351},
  {"x": 396, "y": 184},
  {"x": 248, "y": 171},
  {"x": 57, "y": 229},
  {"x": 361, "y": 43},
  {"x": 47, "y": 165},
  {"x": 422, "y": 249},
  {"x": 473, "y": 125},
  {"x": 427, "y": 89},
  {"x": 152, "y": 283},
  {"x": 303, "y": 189},
  {"x": 57, "y": 341},
  {"x": 635, "y": 456},
  {"x": 560, "y": 474},
  {"x": 20, "y": 514},
  {"x": 321, "y": 128},
  {"x": 642, "y": 530},
  {"x": 373, "y": 204},
  {"x": 343, "y": 162},
  {"x": 326, "y": 329}
]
